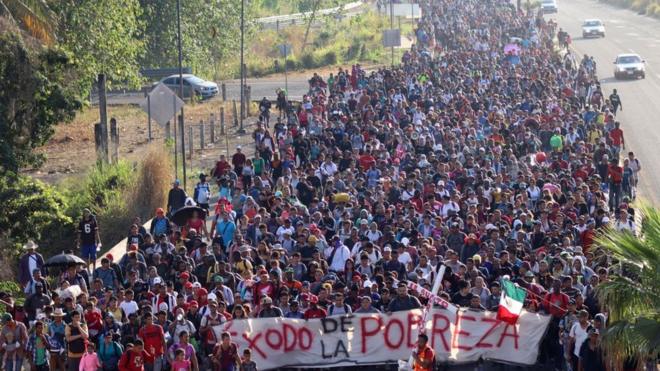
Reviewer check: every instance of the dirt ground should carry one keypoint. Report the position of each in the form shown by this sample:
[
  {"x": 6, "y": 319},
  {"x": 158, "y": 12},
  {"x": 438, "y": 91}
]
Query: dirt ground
[{"x": 71, "y": 150}]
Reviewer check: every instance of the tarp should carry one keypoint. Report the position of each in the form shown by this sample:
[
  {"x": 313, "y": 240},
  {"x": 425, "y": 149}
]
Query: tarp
[{"x": 360, "y": 339}]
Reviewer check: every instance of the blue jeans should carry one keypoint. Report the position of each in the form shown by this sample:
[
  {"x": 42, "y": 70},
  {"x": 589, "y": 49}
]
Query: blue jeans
[
  {"x": 156, "y": 366},
  {"x": 14, "y": 363}
]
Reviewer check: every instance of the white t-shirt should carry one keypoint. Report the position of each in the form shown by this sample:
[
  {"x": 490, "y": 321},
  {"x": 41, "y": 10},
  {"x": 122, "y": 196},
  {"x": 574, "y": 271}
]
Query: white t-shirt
[
  {"x": 129, "y": 307},
  {"x": 580, "y": 336},
  {"x": 405, "y": 258}
]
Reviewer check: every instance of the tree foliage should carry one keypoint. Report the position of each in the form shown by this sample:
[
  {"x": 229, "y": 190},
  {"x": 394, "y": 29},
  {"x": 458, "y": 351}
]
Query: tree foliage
[
  {"x": 632, "y": 295},
  {"x": 31, "y": 210},
  {"x": 210, "y": 32},
  {"x": 103, "y": 37},
  {"x": 33, "y": 98}
]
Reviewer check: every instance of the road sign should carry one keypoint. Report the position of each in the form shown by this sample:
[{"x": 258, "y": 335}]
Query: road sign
[
  {"x": 162, "y": 103},
  {"x": 285, "y": 49},
  {"x": 391, "y": 38}
]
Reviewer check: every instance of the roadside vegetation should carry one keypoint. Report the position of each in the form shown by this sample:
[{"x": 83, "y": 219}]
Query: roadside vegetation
[
  {"x": 338, "y": 42},
  {"x": 648, "y": 7}
]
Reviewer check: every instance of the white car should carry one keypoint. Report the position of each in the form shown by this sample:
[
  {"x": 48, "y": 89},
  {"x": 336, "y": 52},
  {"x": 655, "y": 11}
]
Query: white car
[
  {"x": 549, "y": 6},
  {"x": 629, "y": 65},
  {"x": 593, "y": 27},
  {"x": 202, "y": 88}
]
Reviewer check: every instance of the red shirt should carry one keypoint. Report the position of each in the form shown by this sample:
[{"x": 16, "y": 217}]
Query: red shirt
[
  {"x": 132, "y": 361},
  {"x": 315, "y": 313},
  {"x": 94, "y": 320},
  {"x": 615, "y": 173},
  {"x": 556, "y": 304},
  {"x": 366, "y": 161},
  {"x": 153, "y": 340},
  {"x": 616, "y": 135}
]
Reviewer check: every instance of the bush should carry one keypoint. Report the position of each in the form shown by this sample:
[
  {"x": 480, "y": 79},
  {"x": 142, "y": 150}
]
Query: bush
[
  {"x": 330, "y": 58},
  {"x": 307, "y": 61},
  {"x": 30, "y": 210}
]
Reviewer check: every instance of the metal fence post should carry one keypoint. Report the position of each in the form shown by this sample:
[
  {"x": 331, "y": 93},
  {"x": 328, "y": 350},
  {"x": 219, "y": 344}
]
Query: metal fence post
[
  {"x": 222, "y": 120},
  {"x": 114, "y": 138},
  {"x": 212, "y": 121},
  {"x": 201, "y": 134},
  {"x": 235, "y": 109},
  {"x": 190, "y": 142},
  {"x": 168, "y": 134},
  {"x": 224, "y": 92}
]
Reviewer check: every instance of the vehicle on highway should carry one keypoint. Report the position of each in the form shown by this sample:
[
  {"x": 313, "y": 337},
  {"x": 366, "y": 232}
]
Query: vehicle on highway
[
  {"x": 201, "y": 88},
  {"x": 593, "y": 27},
  {"x": 549, "y": 6},
  {"x": 629, "y": 65}
]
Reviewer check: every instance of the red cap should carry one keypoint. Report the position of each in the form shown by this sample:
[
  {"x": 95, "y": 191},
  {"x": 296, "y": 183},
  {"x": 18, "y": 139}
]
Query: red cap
[
  {"x": 133, "y": 247},
  {"x": 110, "y": 257},
  {"x": 357, "y": 277},
  {"x": 263, "y": 271},
  {"x": 185, "y": 275},
  {"x": 193, "y": 303},
  {"x": 188, "y": 285},
  {"x": 202, "y": 292},
  {"x": 313, "y": 299}
]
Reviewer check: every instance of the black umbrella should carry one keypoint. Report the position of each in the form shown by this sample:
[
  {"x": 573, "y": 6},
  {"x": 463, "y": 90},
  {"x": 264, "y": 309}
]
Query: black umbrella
[
  {"x": 181, "y": 216},
  {"x": 64, "y": 260}
]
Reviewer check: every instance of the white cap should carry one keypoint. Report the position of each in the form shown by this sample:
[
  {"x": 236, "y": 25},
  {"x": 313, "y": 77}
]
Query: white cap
[{"x": 387, "y": 249}]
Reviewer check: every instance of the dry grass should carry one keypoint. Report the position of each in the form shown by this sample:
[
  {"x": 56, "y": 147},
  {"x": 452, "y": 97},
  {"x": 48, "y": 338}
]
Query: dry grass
[{"x": 152, "y": 183}]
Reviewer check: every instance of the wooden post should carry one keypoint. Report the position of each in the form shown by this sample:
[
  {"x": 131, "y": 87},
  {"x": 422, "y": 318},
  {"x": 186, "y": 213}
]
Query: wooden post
[
  {"x": 224, "y": 92},
  {"x": 114, "y": 138},
  {"x": 201, "y": 134},
  {"x": 235, "y": 113},
  {"x": 222, "y": 120},
  {"x": 103, "y": 113},
  {"x": 98, "y": 141},
  {"x": 148, "y": 115},
  {"x": 168, "y": 129},
  {"x": 247, "y": 101},
  {"x": 190, "y": 142},
  {"x": 212, "y": 127}
]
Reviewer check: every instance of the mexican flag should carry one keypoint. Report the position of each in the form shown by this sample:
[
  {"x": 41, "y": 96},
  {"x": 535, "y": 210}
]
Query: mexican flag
[{"x": 511, "y": 302}]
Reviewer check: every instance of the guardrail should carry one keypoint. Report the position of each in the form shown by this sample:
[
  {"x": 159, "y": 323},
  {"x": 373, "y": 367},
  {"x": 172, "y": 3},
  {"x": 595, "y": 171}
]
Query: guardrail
[{"x": 296, "y": 16}]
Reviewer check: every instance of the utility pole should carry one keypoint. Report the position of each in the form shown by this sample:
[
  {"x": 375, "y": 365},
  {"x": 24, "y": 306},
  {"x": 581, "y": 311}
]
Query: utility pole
[
  {"x": 241, "y": 130},
  {"x": 392, "y": 27},
  {"x": 309, "y": 24},
  {"x": 103, "y": 113},
  {"x": 181, "y": 118}
]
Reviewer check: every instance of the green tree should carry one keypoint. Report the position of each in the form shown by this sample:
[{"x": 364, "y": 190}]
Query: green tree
[
  {"x": 632, "y": 295},
  {"x": 32, "y": 16},
  {"x": 103, "y": 37},
  {"x": 210, "y": 33},
  {"x": 33, "y": 98},
  {"x": 31, "y": 210}
]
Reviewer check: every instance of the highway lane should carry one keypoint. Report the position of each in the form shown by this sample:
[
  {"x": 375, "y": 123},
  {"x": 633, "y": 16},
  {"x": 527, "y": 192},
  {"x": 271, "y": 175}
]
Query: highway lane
[{"x": 626, "y": 32}]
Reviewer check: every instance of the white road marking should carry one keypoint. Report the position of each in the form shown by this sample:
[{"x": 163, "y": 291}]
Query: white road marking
[{"x": 632, "y": 34}]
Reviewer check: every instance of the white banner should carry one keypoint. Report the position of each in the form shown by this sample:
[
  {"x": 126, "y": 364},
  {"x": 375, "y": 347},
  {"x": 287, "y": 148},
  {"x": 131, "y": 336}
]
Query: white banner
[{"x": 360, "y": 339}]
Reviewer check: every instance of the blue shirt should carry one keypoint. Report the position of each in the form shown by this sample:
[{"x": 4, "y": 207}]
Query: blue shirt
[{"x": 226, "y": 230}]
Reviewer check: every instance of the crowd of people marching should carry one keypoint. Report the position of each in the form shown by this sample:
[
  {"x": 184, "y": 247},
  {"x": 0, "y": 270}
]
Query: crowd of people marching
[{"x": 492, "y": 163}]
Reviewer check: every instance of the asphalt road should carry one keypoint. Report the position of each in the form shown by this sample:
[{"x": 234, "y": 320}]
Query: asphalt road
[{"x": 626, "y": 32}]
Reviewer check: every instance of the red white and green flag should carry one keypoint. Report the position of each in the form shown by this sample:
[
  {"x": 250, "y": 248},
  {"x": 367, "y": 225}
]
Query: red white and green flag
[{"x": 511, "y": 302}]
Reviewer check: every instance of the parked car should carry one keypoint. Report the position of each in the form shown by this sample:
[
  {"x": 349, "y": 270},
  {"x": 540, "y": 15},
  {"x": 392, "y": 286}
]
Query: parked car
[
  {"x": 629, "y": 65},
  {"x": 191, "y": 83},
  {"x": 549, "y": 6},
  {"x": 593, "y": 27}
]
